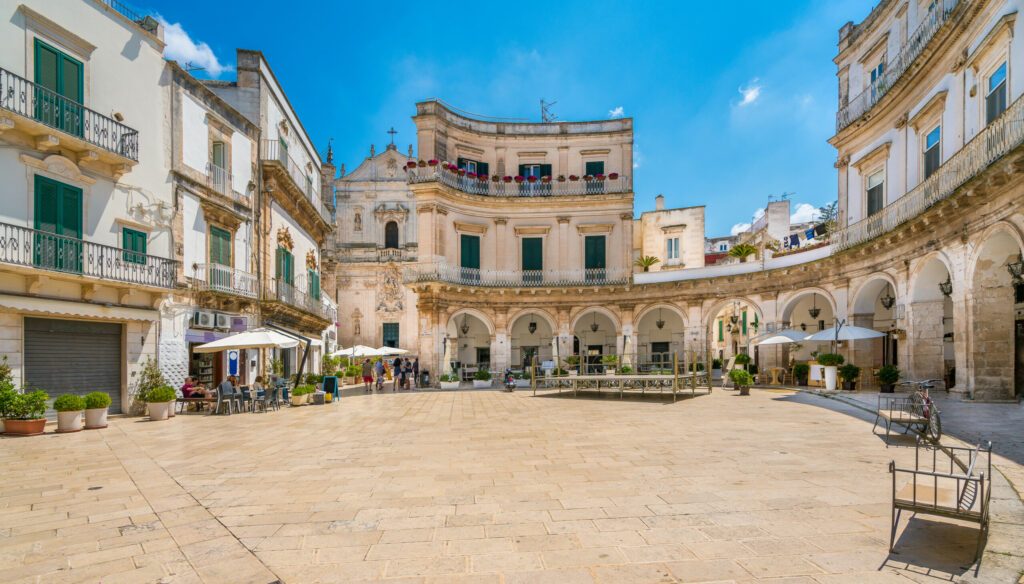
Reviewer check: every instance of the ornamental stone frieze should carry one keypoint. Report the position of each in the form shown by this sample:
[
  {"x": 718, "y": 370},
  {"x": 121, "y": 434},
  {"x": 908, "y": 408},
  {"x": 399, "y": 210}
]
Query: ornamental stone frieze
[{"x": 390, "y": 293}]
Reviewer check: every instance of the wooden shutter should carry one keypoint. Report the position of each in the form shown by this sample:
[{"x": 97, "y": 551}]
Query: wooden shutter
[
  {"x": 289, "y": 265},
  {"x": 47, "y": 204},
  {"x": 545, "y": 170},
  {"x": 218, "y": 154},
  {"x": 594, "y": 252},
  {"x": 595, "y": 168},
  {"x": 279, "y": 261},
  {"x": 533, "y": 253},
  {"x": 220, "y": 246},
  {"x": 470, "y": 251},
  {"x": 482, "y": 168},
  {"x": 134, "y": 244},
  {"x": 314, "y": 285},
  {"x": 721, "y": 336}
]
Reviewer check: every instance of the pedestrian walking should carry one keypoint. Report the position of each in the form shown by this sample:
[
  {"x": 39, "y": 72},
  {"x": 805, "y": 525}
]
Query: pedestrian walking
[
  {"x": 416, "y": 372},
  {"x": 367, "y": 375},
  {"x": 379, "y": 367},
  {"x": 396, "y": 366}
]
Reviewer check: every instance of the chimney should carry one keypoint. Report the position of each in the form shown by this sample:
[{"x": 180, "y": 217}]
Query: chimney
[{"x": 659, "y": 203}]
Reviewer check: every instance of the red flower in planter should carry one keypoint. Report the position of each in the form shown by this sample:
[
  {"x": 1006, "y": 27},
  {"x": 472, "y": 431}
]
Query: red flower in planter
[
  {"x": 545, "y": 179},
  {"x": 462, "y": 172},
  {"x": 613, "y": 176},
  {"x": 483, "y": 177},
  {"x": 496, "y": 178},
  {"x": 599, "y": 177},
  {"x": 432, "y": 162},
  {"x": 445, "y": 165},
  {"x": 469, "y": 174},
  {"x": 531, "y": 178},
  {"x": 573, "y": 177},
  {"x": 561, "y": 178},
  {"x": 519, "y": 179},
  {"x": 588, "y": 177},
  {"x": 507, "y": 178},
  {"x": 411, "y": 164},
  {"x": 422, "y": 164}
]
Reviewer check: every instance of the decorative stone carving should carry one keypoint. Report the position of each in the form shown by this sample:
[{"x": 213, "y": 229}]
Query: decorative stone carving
[
  {"x": 392, "y": 168},
  {"x": 284, "y": 239},
  {"x": 311, "y": 260},
  {"x": 385, "y": 212},
  {"x": 357, "y": 316},
  {"x": 389, "y": 290},
  {"x": 357, "y": 221}
]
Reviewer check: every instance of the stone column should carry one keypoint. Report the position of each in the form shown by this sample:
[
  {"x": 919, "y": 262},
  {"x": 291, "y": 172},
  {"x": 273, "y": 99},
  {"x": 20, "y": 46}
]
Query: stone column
[
  {"x": 627, "y": 241},
  {"x": 563, "y": 241},
  {"x": 502, "y": 260},
  {"x": 626, "y": 314},
  {"x": 564, "y": 334},
  {"x": 924, "y": 336},
  {"x": 501, "y": 343},
  {"x": 425, "y": 218}
]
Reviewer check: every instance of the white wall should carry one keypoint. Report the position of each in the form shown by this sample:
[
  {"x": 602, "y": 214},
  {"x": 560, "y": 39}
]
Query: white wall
[
  {"x": 195, "y": 134},
  {"x": 241, "y": 162},
  {"x": 194, "y": 236}
]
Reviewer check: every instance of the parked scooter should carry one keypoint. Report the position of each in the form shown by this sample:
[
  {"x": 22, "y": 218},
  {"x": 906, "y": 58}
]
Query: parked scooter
[{"x": 510, "y": 380}]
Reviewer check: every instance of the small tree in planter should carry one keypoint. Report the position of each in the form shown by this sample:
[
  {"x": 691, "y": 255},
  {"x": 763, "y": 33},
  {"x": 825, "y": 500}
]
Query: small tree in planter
[
  {"x": 801, "y": 371},
  {"x": 609, "y": 362},
  {"x": 887, "y": 378},
  {"x": 150, "y": 379},
  {"x": 849, "y": 373},
  {"x": 831, "y": 362},
  {"x": 482, "y": 379},
  {"x": 96, "y": 404},
  {"x": 352, "y": 373},
  {"x": 69, "y": 412},
  {"x": 572, "y": 363},
  {"x": 742, "y": 251},
  {"x": 646, "y": 262},
  {"x": 25, "y": 414},
  {"x": 449, "y": 381},
  {"x": 160, "y": 402},
  {"x": 742, "y": 380},
  {"x": 743, "y": 360}
]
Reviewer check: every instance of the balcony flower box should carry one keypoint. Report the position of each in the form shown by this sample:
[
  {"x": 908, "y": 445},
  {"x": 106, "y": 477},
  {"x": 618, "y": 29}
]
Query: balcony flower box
[
  {"x": 561, "y": 178},
  {"x": 531, "y": 179},
  {"x": 520, "y": 179},
  {"x": 495, "y": 178},
  {"x": 468, "y": 174},
  {"x": 599, "y": 177},
  {"x": 482, "y": 177},
  {"x": 613, "y": 176},
  {"x": 545, "y": 179},
  {"x": 432, "y": 162},
  {"x": 573, "y": 177},
  {"x": 410, "y": 164},
  {"x": 422, "y": 164},
  {"x": 588, "y": 177},
  {"x": 462, "y": 172},
  {"x": 507, "y": 179}
]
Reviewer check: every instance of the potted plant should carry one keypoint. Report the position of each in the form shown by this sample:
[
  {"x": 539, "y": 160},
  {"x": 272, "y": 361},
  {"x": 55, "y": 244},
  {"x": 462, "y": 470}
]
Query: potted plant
[
  {"x": 625, "y": 370},
  {"x": 743, "y": 359},
  {"x": 531, "y": 179},
  {"x": 522, "y": 379},
  {"x": 7, "y": 391},
  {"x": 646, "y": 262},
  {"x": 96, "y": 404},
  {"x": 888, "y": 375},
  {"x": 352, "y": 373},
  {"x": 849, "y": 373},
  {"x": 160, "y": 402},
  {"x": 609, "y": 362},
  {"x": 411, "y": 164},
  {"x": 599, "y": 177},
  {"x": 742, "y": 251},
  {"x": 482, "y": 379},
  {"x": 831, "y": 362},
  {"x": 422, "y": 163},
  {"x": 573, "y": 177},
  {"x": 24, "y": 415},
  {"x": 613, "y": 176},
  {"x": 561, "y": 178},
  {"x": 559, "y": 372},
  {"x": 742, "y": 380},
  {"x": 507, "y": 178},
  {"x": 69, "y": 412},
  {"x": 572, "y": 364},
  {"x": 449, "y": 381},
  {"x": 432, "y": 162},
  {"x": 800, "y": 372}
]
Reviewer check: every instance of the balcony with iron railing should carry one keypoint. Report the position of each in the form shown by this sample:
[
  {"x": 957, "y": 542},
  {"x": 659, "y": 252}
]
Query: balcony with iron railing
[
  {"x": 297, "y": 295},
  {"x": 915, "y": 45},
  {"x": 39, "y": 111},
  {"x": 224, "y": 280},
  {"x": 449, "y": 274},
  {"x": 488, "y": 187},
  {"x": 42, "y": 250},
  {"x": 271, "y": 152},
  {"x": 143, "y": 21},
  {"x": 1003, "y": 135},
  {"x": 220, "y": 180}
]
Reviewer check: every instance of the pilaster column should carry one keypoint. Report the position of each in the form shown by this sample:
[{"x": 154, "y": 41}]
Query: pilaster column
[
  {"x": 501, "y": 344},
  {"x": 563, "y": 242},
  {"x": 626, "y": 314},
  {"x": 425, "y": 218},
  {"x": 627, "y": 241},
  {"x": 564, "y": 334},
  {"x": 501, "y": 259},
  {"x": 924, "y": 336}
]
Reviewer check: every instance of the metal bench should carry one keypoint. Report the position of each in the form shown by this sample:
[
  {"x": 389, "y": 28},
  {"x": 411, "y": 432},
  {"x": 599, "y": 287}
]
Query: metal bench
[
  {"x": 901, "y": 410},
  {"x": 962, "y": 490}
]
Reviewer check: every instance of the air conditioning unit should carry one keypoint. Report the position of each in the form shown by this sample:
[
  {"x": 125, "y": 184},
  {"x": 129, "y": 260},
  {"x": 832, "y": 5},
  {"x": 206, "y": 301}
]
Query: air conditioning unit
[
  {"x": 202, "y": 319},
  {"x": 222, "y": 321}
]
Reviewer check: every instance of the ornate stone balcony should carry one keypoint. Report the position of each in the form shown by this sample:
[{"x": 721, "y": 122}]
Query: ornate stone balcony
[
  {"x": 53, "y": 121},
  {"x": 301, "y": 183},
  {"x": 1000, "y": 137},
  {"x": 41, "y": 250},
  {"x": 296, "y": 296},
  {"x": 488, "y": 187},
  {"x": 449, "y": 274},
  {"x": 224, "y": 280}
]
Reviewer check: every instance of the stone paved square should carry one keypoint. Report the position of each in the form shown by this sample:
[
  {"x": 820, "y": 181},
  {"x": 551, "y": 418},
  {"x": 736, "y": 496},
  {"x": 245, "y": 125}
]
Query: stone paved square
[{"x": 475, "y": 487}]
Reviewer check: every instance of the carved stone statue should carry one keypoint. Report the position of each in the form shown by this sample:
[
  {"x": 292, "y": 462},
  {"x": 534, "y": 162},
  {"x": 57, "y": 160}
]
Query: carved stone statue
[
  {"x": 389, "y": 290},
  {"x": 392, "y": 168},
  {"x": 356, "y": 317},
  {"x": 358, "y": 221}
]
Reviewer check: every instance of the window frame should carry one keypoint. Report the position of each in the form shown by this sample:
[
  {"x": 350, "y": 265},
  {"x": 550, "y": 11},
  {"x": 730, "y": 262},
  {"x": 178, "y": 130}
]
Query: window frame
[
  {"x": 925, "y": 150},
  {"x": 867, "y": 190},
  {"x": 134, "y": 256},
  {"x": 1002, "y": 61}
]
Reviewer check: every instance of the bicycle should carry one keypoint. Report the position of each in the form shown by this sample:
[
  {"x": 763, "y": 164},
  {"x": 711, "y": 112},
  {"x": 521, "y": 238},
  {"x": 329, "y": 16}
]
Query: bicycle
[{"x": 924, "y": 407}]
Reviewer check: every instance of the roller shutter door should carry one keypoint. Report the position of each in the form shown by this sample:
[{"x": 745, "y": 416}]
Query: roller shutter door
[{"x": 70, "y": 356}]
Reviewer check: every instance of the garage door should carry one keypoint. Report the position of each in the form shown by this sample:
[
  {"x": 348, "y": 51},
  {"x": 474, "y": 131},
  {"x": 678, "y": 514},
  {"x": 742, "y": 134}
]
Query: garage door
[{"x": 70, "y": 356}]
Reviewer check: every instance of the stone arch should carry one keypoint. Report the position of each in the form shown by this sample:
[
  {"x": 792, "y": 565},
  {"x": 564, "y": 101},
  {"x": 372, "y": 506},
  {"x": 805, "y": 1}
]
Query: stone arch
[
  {"x": 794, "y": 298},
  {"x": 543, "y": 314},
  {"x": 523, "y": 345},
  {"x": 479, "y": 315},
  {"x": 862, "y": 299},
  {"x": 711, "y": 314},
  {"x": 655, "y": 345},
  {"x": 663, "y": 305},
  {"x": 925, "y": 272},
  {"x": 929, "y": 317},
  {"x": 600, "y": 310}
]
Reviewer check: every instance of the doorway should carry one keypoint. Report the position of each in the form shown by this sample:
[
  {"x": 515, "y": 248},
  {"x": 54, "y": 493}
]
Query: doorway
[
  {"x": 483, "y": 357},
  {"x": 594, "y": 353},
  {"x": 528, "y": 354}
]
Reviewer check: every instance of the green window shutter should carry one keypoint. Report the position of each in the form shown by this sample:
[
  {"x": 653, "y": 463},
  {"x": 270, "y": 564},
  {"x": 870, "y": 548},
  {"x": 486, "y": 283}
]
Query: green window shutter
[
  {"x": 533, "y": 253},
  {"x": 134, "y": 244},
  {"x": 461, "y": 162},
  {"x": 289, "y": 272},
  {"x": 545, "y": 170},
  {"x": 47, "y": 67},
  {"x": 279, "y": 263},
  {"x": 314, "y": 285},
  {"x": 63, "y": 76},
  {"x": 721, "y": 336},
  {"x": 594, "y": 251},
  {"x": 220, "y": 246},
  {"x": 390, "y": 334},
  {"x": 482, "y": 168},
  {"x": 470, "y": 245},
  {"x": 522, "y": 170},
  {"x": 595, "y": 168},
  {"x": 744, "y": 322},
  {"x": 47, "y": 204}
]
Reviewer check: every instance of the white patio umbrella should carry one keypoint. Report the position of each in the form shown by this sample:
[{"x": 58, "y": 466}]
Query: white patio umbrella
[
  {"x": 627, "y": 361},
  {"x": 446, "y": 361},
  {"x": 386, "y": 351},
  {"x": 844, "y": 333},
  {"x": 357, "y": 351},
  {"x": 252, "y": 339},
  {"x": 783, "y": 337}
]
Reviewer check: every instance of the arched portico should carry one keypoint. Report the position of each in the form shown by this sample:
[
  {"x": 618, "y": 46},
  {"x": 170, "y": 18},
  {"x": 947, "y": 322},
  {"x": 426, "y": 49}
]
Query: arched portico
[
  {"x": 874, "y": 306},
  {"x": 597, "y": 333},
  {"x": 660, "y": 333},
  {"x": 730, "y": 324},
  {"x": 930, "y": 318},
  {"x": 531, "y": 332},
  {"x": 809, "y": 310},
  {"x": 471, "y": 336}
]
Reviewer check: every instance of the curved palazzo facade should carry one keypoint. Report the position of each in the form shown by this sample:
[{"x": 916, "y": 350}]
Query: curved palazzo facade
[{"x": 929, "y": 235}]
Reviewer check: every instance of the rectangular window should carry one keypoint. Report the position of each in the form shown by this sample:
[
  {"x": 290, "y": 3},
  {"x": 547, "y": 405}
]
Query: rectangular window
[
  {"x": 282, "y": 153},
  {"x": 594, "y": 168},
  {"x": 313, "y": 285},
  {"x": 220, "y": 246},
  {"x": 470, "y": 165},
  {"x": 284, "y": 267},
  {"x": 995, "y": 99},
  {"x": 58, "y": 218},
  {"x": 877, "y": 88},
  {"x": 469, "y": 258},
  {"x": 723, "y": 247},
  {"x": 932, "y": 151},
  {"x": 876, "y": 192},
  {"x": 217, "y": 154},
  {"x": 134, "y": 244},
  {"x": 533, "y": 260},
  {"x": 389, "y": 332},
  {"x": 58, "y": 89},
  {"x": 672, "y": 248},
  {"x": 594, "y": 258}
]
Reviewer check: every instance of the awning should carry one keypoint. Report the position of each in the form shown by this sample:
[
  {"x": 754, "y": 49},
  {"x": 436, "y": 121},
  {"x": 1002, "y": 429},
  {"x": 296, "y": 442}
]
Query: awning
[{"x": 47, "y": 306}]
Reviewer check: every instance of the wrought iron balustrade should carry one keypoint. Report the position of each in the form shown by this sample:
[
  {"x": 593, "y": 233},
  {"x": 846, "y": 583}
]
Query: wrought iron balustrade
[
  {"x": 43, "y": 250},
  {"x": 145, "y": 22},
  {"x": 916, "y": 43},
  {"x": 224, "y": 279},
  {"x": 27, "y": 99},
  {"x": 517, "y": 278},
  {"x": 488, "y": 187},
  {"x": 270, "y": 150},
  {"x": 1004, "y": 134},
  {"x": 296, "y": 294}
]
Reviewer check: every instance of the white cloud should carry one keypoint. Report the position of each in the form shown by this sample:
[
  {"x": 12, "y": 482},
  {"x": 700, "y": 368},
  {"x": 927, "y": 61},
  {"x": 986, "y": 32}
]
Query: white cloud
[
  {"x": 804, "y": 213},
  {"x": 638, "y": 158},
  {"x": 751, "y": 92},
  {"x": 759, "y": 213},
  {"x": 181, "y": 48},
  {"x": 617, "y": 112},
  {"x": 739, "y": 228}
]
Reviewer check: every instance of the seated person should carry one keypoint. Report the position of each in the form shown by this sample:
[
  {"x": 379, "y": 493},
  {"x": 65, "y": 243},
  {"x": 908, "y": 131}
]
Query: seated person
[{"x": 190, "y": 389}]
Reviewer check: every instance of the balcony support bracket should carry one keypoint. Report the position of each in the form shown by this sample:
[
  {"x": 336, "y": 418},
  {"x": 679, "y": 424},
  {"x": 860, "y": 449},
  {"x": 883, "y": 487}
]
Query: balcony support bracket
[
  {"x": 36, "y": 283},
  {"x": 6, "y": 124},
  {"x": 47, "y": 142},
  {"x": 89, "y": 292},
  {"x": 123, "y": 294}
]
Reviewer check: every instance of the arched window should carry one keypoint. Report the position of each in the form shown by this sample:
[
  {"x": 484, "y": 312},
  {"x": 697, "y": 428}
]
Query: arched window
[{"x": 391, "y": 235}]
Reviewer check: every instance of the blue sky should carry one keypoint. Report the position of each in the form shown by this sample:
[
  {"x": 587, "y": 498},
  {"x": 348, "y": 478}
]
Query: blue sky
[{"x": 732, "y": 101}]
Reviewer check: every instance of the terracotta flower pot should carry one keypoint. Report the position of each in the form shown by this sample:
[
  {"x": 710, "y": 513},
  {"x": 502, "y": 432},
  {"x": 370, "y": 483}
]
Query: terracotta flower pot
[
  {"x": 24, "y": 427},
  {"x": 95, "y": 418},
  {"x": 69, "y": 422}
]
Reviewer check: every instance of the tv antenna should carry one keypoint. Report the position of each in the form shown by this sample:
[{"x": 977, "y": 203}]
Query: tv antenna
[
  {"x": 190, "y": 67},
  {"x": 545, "y": 111}
]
